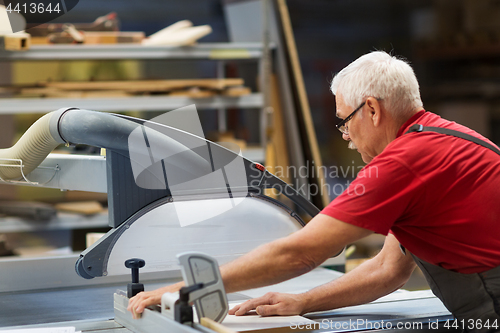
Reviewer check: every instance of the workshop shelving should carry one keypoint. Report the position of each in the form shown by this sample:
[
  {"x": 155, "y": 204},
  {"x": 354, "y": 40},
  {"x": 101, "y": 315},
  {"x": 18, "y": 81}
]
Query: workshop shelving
[
  {"x": 207, "y": 51},
  {"x": 218, "y": 52},
  {"x": 214, "y": 51},
  {"x": 117, "y": 104},
  {"x": 63, "y": 221}
]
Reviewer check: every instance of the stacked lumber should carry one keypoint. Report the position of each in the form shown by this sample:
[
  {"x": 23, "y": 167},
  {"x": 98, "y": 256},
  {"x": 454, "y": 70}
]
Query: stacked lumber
[
  {"x": 19, "y": 41},
  {"x": 91, "y": 37},
  {"x": 195, "y": 88}
]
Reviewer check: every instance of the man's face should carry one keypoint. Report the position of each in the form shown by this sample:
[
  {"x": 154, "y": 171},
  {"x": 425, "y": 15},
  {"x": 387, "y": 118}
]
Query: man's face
[{"x": 358, "y": 129}]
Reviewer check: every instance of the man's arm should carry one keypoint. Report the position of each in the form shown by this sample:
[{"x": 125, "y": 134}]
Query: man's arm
[
  {"x": 385, "y": 273},
  {"x": 277, "y": 261},
  {"x": 291, "y": 256}
]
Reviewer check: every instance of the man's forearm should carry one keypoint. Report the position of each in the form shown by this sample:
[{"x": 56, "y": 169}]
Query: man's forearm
[
  {"x": 291, "y": 256},
  {"x": 364, "y": 284},
  {"x": 268, "y": 264}
]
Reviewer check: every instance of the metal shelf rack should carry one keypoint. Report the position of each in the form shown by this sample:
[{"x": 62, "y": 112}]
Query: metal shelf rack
[
  {"x": 117, "y": 104},
  {"x": 214, "y": 51}
]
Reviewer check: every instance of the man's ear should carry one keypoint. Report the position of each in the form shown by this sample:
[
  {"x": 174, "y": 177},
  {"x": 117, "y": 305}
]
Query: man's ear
[{"x": 374, "y": 110}]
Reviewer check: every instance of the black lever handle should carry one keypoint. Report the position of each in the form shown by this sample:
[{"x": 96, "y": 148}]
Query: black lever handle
[
  {"x": 135, "y": 287},
  {"x": 183, "y": 311}
]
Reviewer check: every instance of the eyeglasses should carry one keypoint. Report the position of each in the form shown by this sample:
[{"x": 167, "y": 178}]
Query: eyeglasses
[{"x": 342, "y": 125}]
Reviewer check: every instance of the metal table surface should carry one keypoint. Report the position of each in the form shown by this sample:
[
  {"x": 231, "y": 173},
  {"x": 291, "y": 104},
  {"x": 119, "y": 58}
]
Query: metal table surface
[
  {"x": 67, "y": 306},
  {"x": 60, "y": 305},
  {"x": 87, "y": 326},
  {"x": 415, "y": 307},
  {"x": 90, "y": 309}
]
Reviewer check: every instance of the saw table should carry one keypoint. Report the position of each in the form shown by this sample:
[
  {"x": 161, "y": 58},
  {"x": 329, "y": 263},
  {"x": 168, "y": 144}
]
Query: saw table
[{"x": 90, "y": 309}]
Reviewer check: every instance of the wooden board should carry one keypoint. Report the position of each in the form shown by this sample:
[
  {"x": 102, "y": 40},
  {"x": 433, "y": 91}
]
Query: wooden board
[
  {"x": 194, "y": 88},
  {"x": 215, "y": 326},
  {"x": 277, "y": 158},
  {"x": 15, "y": 42},
  {"x": 83, "y": 207},
  {"x": 147, "y": 85},
  {"x": 278, "y": 136},
  {"x": 57, "y": 93},
  {"x": 113, "y": 37},
  {"x": 194, "y": 92},
  {"x": 236, "y": 91},
  {"x": 254, "y": 323},
  {"x": 92, "y": 237},
  {"x": 179, "y": 37},
  {"x": 92, "y": 37}
]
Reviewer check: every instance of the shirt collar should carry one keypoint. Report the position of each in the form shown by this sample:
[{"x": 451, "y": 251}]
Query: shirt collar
[{"x": 410, "y": 122}]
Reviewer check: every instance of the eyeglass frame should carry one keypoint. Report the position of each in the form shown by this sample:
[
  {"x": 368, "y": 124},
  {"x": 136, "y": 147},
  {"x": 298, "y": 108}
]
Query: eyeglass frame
[{"x": 346, "y": 119}]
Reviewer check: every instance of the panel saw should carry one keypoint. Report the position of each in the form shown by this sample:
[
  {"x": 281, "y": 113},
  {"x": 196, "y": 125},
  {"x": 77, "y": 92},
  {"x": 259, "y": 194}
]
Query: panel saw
[{"x": 170, "y": 191}]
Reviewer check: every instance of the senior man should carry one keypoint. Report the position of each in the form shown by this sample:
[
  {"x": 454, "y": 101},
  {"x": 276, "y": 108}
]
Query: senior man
[{"x": 433, "y": 194}]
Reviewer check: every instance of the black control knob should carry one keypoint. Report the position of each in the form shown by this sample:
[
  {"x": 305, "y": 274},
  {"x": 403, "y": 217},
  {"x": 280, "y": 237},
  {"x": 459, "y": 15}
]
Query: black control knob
[
  {"x": 183, "y": 311},
  {"x": 135, "y": 287}
]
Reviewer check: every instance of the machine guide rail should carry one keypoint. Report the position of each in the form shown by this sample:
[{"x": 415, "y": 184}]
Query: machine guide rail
[{"x": 203, "y": 289}]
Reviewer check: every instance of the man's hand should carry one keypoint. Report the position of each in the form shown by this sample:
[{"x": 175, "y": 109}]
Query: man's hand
[
  {"x": 139, "y": 302},
  {"x": 272, "y": 304}
]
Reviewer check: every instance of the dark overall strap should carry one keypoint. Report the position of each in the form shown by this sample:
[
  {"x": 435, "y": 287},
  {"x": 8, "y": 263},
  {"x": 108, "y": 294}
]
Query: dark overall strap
[{"x": 458, "y": 134}]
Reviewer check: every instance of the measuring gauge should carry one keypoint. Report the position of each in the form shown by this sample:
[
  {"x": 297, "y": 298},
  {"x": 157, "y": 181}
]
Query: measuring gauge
[{"x": 211, "y": 300}]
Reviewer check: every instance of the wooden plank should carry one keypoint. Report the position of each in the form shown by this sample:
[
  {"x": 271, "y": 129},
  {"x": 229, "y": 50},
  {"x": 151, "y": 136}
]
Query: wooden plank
[
  {"x": 270, "y": 164},
  {"x": 57, "y": 93},
  {"x": 147, "y": 85},
  {"x": 112, "y": 37},
  {"x": 278, "y": 136},
  {"x": 277, "y": 159},
  {"x": 39, "y": 40},
  {"x": 92, "y": 237},
  {"x": 15, "y": 42},
  {"x": 179, "y": 37},
  {"x": 215, "y": 326},
  {"x": 236, "y": 91},
  {"x": 83, "y": 207},
  {"x": 189, "y": 92},
  {"x": 194, "y": 92},
  {"x": 305, "y": 112},
  {"x": 195, "y": 88},
  {"x": 252, "y": 322}
]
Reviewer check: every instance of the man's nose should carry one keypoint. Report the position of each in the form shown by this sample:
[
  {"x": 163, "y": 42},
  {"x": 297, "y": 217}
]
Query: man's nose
[{"x": 346, "y": 137}]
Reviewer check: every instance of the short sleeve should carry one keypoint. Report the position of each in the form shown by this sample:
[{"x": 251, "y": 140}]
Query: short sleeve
[{"x": 385, "y": 191}]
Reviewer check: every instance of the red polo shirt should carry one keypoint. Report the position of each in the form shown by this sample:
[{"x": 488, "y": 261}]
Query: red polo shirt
[{"x": 438, "y": 194}]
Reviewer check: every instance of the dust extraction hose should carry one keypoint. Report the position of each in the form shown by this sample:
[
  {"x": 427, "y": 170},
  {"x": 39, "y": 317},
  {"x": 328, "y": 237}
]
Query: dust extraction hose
[
  {"x": 32, "y": 148},
  {"x": 99, "y": 129}
]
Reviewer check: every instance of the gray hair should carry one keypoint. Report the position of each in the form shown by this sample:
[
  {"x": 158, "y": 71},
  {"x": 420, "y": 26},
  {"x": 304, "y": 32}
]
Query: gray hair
[{"x": 380, "y": 75}]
